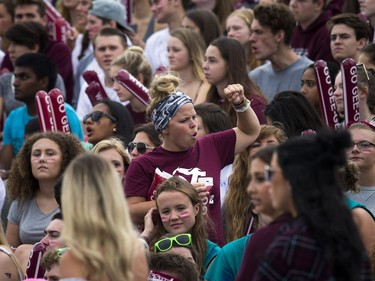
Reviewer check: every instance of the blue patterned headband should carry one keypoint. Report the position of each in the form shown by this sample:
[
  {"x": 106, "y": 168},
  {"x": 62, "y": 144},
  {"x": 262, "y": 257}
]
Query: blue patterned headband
[{"x": 167, "y": 108}]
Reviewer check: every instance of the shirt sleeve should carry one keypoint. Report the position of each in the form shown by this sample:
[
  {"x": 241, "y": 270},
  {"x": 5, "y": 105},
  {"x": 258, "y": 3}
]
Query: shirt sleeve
[{"x": 14, "y": 214}]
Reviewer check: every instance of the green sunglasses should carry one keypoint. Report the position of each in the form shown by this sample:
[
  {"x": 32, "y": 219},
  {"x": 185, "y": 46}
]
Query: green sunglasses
[
  {"x": 60, "y": 251},
  {"x": 165, "y": 244}
]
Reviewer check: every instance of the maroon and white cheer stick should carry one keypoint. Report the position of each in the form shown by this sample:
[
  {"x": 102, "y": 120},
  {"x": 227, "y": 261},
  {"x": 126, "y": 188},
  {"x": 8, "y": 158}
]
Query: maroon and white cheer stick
[
  {"x": 34, "y": 267},
  {"x": 56, "y": 22},
  {"x": 350, "y": 90},
  {"x": 44, "y": 109},
  {"x": 59, "y": 111},
  {"x": 91, "y": 76},
  {"x": 93, "y": 92},
  {"x": 133, "y": 85},
  {"x": 325, "y": 91}
]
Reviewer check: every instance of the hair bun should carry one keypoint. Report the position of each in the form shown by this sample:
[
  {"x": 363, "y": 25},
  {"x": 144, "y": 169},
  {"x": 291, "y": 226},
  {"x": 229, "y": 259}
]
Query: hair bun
[
  {"x": 135, "y": 49},
  {"x": 334, "y": 145}
]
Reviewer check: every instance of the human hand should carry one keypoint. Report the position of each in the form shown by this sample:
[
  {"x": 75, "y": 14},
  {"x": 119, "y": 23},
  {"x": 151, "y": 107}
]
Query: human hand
[
  {"x": 235, "y": 94},
  {"x": 150, "y": 222}
]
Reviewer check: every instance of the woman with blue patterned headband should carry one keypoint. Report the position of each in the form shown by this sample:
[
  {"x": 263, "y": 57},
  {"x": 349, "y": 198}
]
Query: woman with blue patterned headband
[{"x": 181, "y": 154}]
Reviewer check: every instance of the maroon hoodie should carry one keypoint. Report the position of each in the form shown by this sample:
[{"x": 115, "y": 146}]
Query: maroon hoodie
[{"x": 314, "y": 42}]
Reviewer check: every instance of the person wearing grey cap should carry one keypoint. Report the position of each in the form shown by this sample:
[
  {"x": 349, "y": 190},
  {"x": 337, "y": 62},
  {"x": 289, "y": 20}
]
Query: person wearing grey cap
[{"x": 104, "y": 13}]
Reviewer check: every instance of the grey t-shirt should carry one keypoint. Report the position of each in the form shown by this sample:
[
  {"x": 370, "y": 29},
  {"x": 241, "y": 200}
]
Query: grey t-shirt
[
  {"x": 31, "y": 220},
  {"x": 366, "y": 196},
  {"x": 272, "y": 82}
]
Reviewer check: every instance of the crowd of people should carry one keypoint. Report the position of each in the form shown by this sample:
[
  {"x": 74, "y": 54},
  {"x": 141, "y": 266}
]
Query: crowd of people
[{"x": 214, "y": 160}]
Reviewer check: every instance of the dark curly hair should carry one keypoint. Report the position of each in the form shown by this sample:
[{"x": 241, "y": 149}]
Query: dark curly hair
[
  {"x": 277, "y": 17},
  {"x": 22, "y": 185}
]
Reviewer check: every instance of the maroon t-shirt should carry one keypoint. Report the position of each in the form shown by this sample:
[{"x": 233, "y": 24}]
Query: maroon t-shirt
[
  {"x": 204, "y": 160},
  {"x": 257, "y": 246}
]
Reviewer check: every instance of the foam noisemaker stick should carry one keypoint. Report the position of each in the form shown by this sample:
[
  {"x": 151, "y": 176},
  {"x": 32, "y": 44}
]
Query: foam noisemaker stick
[
  {"x": 34, "y": 268},
  {"x": 350, "y": 90},
  {"x": 325, "y": 91},
  {"x": 128, "y": 4},
  {"x": 56, "y": 22},
  {"x": 135, "y": 87},
  {"x": 44, "y": 109},
  {"x": 93, "y": 92},
  {"x": 59, "y": 111},
  {"x": 92, "y": 76}
]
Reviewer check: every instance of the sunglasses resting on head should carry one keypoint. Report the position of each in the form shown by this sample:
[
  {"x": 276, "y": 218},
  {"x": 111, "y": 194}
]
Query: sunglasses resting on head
[{"x": 165, "y": 244}]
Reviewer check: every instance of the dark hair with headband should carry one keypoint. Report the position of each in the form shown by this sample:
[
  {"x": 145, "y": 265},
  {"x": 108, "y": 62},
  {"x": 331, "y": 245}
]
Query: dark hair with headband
[{"x": 166, "y": 100}]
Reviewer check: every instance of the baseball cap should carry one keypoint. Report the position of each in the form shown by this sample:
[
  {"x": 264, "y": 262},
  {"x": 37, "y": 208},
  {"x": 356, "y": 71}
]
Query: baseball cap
[{"x": 111, "y": 10}]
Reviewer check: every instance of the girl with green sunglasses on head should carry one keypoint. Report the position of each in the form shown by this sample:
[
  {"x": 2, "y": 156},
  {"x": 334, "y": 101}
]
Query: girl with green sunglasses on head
[{"x": 180, "y": 212}]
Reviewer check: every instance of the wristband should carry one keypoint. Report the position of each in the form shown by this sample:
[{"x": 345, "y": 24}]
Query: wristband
[
  {"x": 145, "y": 244},
  {"x": 242, "y": 107}
]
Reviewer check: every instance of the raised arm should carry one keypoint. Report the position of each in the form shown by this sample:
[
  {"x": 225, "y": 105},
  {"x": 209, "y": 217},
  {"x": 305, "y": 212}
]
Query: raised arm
[{"x": 248, "y": 126}]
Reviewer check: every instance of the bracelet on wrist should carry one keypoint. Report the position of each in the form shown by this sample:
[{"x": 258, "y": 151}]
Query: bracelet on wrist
[
  {"x": 242, "y": 107},
  {"x": 145, "y": 244}
]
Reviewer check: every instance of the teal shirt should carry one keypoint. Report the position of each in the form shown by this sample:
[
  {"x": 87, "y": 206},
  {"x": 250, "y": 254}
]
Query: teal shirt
[
  {"x": 228, "y": 261},
  {"x": 354, "y": 204},
  {"x": 14, "y": 128},
  {"x": 211, "y": 252}
]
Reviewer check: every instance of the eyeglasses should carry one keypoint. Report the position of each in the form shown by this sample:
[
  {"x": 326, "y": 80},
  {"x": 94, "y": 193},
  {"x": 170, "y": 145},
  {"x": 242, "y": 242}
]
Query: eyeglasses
[
  {"x": 141, "y": 147},
  {"x": 96, "y": 115},
  {"x": 166, "y": 244},
  {"x": 61, "y": 251},
  {"x": 362, "y": 145},
  {"x": 362, "y": 66},
  {"x": 269, "y": 172}
]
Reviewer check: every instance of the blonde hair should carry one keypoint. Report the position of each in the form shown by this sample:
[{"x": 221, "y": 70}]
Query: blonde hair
[
  {"x": 247, "y": 15},
  {"x": 134, "y": 61},
  {"x": 162, "y": 86},
  {"x": 195, "y": 45},
  {"x": 115, "y": 144},
  {"x": 97, "y": 225},
  {"x": 237, "y": 203}
]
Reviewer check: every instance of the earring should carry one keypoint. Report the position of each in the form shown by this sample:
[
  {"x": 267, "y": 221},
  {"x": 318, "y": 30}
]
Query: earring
[{"x": 114, "y": 130}]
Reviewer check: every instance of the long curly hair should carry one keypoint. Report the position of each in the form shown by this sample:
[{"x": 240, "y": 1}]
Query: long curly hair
[
  {"x": 22, "y": 185},
  {"x": 199, "y": 231},
  {"x": 97, "y": 224},
  {"x": 237, "y": 205}
]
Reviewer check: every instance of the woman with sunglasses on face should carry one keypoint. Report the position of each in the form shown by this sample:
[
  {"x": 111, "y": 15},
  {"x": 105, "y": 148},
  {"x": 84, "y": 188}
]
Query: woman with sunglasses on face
[
  {"x": 108, "y": 119},
  {"x": 180, "y": 211},
  {"x": 326, "y": 241},
  {"x": 146, "y": 138},
  {"x": 199, "y": 161},
  {"x": 267, "y": 222},
  {"x": 114, "y": 151},
  {"x": 238, "y": 220}
]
